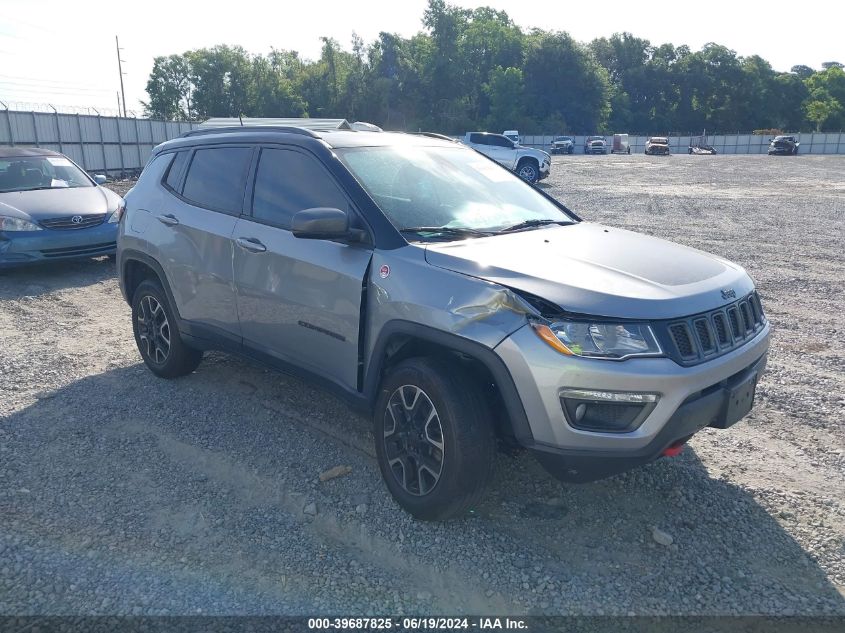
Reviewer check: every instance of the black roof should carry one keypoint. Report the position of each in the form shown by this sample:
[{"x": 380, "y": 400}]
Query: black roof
[
  {"x": 299, "y": 136},
  {"x": 23, "y": 152}
]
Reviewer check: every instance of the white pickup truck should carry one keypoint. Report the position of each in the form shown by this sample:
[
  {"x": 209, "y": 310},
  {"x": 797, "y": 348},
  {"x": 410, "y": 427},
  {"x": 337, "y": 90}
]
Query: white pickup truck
[{"x": 528, "y": 163}]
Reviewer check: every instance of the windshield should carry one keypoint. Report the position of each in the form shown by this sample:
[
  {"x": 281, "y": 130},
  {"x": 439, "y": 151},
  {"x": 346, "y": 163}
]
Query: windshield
[
  {"x": 25, "y": 173},
  {"x": 447, "y": 187}
]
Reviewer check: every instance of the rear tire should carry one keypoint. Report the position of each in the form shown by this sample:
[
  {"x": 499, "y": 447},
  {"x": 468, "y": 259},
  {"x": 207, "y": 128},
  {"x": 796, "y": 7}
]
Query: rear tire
[
  {"x": 434, "y": 438},
  {"x": 157, "y": 333}
]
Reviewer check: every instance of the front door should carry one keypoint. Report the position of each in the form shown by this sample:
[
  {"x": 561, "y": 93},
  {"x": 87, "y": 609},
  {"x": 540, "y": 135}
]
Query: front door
[{"x": 299, "y": 300}]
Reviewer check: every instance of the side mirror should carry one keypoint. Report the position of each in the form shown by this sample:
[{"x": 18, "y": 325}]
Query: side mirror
[
  {"x": 100, "y": 179},
  {"x": 320, "y": 223}
]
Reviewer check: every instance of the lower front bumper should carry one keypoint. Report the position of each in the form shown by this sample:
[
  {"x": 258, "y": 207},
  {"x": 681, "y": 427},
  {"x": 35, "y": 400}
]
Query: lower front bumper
[
  {"x": 21, "y": 248},
  {"x": 709, "y": 407}
]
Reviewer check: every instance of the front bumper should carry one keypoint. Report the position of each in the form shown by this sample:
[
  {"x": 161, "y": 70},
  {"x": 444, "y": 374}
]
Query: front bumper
[
  {"x": 545, "y": 169},
  {"x": 690, "y": 399},
  {"x": 19, "y": 248}
]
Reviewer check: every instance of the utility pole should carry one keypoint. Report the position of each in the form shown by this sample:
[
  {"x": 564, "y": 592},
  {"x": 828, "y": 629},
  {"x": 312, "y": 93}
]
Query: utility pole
[
  {"x": 120, "y": 70},
  {"x": 118, "y": 103}
]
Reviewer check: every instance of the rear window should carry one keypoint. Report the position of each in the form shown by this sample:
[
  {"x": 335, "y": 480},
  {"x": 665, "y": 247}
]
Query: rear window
[{"x": 216, "y": 178}]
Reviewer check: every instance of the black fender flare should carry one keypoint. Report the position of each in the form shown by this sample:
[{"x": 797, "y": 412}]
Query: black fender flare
[
  {"x": 481, "y": 353},
  {"x": 133, "y": 255}
]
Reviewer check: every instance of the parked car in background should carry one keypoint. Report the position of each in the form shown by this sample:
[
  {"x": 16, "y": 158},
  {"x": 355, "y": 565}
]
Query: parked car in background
[
  {"x": 783, "y": 146},
  {"x": 595, "y": 145},
  {"x": 513, "y": 135},
  {"x": 456, "y": 305},
  {"x": 657, "y": 146},
  {"x": 50, "y": 209},
  {"x": 620, "y": 144},
  {"x": 528, "y": 163},
  {"x": 563, "y": 145}
]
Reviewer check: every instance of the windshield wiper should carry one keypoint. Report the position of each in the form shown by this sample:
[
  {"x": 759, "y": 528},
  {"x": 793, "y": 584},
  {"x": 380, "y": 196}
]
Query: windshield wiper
[
  {"x": 528, "y": 224},
  {"x": 452, "y": 231}
]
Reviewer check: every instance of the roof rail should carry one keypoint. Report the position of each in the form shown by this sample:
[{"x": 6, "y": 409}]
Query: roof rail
[
  {"x": 442, "y": 137},
  {"x": 252, "y": 128}
]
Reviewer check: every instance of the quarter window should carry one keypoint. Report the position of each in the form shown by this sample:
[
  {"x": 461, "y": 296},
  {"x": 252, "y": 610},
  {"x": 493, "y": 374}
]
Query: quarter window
[
  {"x": 216, "y": 178},
  {"x": 288, "y": 182},
  {"x": 175, "y": 171}
]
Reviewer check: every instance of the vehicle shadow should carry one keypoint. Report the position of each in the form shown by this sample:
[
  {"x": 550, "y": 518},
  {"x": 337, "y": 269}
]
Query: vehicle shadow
[
  {"x": 36, "y": 279},
  {"x": 124, "y": 479}
]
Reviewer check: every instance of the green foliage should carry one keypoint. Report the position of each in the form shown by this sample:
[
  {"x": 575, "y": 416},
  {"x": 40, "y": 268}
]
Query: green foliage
[{"x": 474, "y": 68}]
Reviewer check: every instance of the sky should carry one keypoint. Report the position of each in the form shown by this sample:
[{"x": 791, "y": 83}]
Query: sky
[{"x": 61, "y": 52}]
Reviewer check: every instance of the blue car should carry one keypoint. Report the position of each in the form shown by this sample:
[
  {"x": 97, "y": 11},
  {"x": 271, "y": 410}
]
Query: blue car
[{"x": 50, "y": 209}]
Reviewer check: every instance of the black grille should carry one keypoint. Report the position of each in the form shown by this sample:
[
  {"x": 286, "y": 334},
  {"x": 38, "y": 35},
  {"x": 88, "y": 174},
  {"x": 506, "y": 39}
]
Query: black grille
[
  {"x": 702, "y": 329},
  {"x": 88, "y": 249},
  {"x": 67, "y": 222},
  {"x": 721, "y": 328},
  {"x": 680, "y": 334},
  {"x": 705, "y": 336},
  {"x": 733, "y": 316},
  {"x": 746, "y": 316}
]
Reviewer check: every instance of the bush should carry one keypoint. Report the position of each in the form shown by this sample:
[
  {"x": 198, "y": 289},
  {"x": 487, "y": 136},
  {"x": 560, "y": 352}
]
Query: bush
[{"x": 769, "y": 132}]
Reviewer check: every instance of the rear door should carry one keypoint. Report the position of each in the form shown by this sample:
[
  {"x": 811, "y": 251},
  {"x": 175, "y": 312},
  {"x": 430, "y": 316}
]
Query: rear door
[
  {"x": 299, "y": 300},
  {"x": 199, "y": 219},
  {"x": 481, "y": 143},
  {"x": 501, "y": 150}
]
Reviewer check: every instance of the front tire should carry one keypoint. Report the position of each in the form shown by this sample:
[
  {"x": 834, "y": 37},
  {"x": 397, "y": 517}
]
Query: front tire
[
  {"x": 434, "y": 439},
  {"x": 157, "y": 333},
  {"x": 529, "y": 171}
]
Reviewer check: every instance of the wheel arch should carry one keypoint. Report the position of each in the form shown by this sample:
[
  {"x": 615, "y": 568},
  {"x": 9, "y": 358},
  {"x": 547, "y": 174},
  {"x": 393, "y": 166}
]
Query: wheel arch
[
  {"x": 399, "y": 340},
  {"x": 135, "y": 267}
]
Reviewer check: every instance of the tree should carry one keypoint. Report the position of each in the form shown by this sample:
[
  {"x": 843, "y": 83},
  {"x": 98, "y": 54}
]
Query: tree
[
  {"x": 820, "y": 108},
  {"x": 505, "y": 93},
  {"x": 169, "y": 88},
  {"x": 828, "y": 65},
  {"x": 563, "y": 81},
  {"x": 802, "y": 71}
]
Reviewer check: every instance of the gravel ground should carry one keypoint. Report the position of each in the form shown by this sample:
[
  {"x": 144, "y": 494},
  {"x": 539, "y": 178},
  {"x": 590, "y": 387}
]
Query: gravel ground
[{"x": 124, "y": 494}]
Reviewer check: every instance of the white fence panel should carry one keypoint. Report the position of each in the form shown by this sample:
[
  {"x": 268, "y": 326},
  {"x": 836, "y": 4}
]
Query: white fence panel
[{"x": 99, "y": 144}]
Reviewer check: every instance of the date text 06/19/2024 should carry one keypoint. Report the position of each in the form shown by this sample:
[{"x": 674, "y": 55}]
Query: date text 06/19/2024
[{"x": 420, "y": 624}]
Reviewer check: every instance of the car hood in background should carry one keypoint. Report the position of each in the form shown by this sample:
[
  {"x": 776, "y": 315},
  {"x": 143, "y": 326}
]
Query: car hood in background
[
  {"x": 592, "y": 269},
  {"x": 42, "y": 204}
]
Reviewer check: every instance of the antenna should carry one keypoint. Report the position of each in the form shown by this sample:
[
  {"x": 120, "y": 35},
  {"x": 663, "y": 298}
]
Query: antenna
[{"x": 120, "y": 71}]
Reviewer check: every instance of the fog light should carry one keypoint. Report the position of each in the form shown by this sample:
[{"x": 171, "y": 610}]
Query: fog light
[{"x": 606, "y": 411}]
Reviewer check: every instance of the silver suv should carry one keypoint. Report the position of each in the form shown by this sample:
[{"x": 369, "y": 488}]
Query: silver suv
[{"x": 460, "y": 306}]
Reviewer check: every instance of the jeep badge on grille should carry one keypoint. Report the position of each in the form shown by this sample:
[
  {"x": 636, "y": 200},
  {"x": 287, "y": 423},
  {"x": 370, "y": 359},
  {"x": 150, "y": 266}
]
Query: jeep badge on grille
[{"x": 728, "y": 293}]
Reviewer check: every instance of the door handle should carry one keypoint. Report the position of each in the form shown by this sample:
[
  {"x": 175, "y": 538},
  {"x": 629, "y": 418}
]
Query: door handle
[
  {"x": 169, "y": 219},
  {"x": 251, "y": 244}
]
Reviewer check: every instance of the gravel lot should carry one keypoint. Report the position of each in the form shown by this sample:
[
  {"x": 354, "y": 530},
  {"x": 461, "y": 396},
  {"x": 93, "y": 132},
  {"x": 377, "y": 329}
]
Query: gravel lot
[{"x": 124, "y": 494}]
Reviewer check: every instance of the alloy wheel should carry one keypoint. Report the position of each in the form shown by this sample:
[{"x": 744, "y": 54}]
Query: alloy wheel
[
  {"x": 413, "y": 440},
  {"x": 154, "y": 329},
  {"x": 528, "y": 172}
]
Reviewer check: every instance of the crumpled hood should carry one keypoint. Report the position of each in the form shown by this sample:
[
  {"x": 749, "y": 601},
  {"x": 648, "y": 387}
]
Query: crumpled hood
[
  {"x": 592, "y": 269},
  {"x": 43, "y": 204}
]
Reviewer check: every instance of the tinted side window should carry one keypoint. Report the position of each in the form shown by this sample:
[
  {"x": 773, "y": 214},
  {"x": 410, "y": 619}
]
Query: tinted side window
[
  {"x": 287, "y": 182},
  {"x": 479, "y": 139},
  {"x": 216, "y": 178},
  {"x": 500, "y": 141},
  {"x": 174, "y": 172}
]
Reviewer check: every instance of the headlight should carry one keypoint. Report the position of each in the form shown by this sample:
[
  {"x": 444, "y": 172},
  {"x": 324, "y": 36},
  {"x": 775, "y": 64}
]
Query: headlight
[
  {"x": 599, "y": 340},
  {"x": 17, "y": 224},
  {"x": 118, "y": 213}
]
